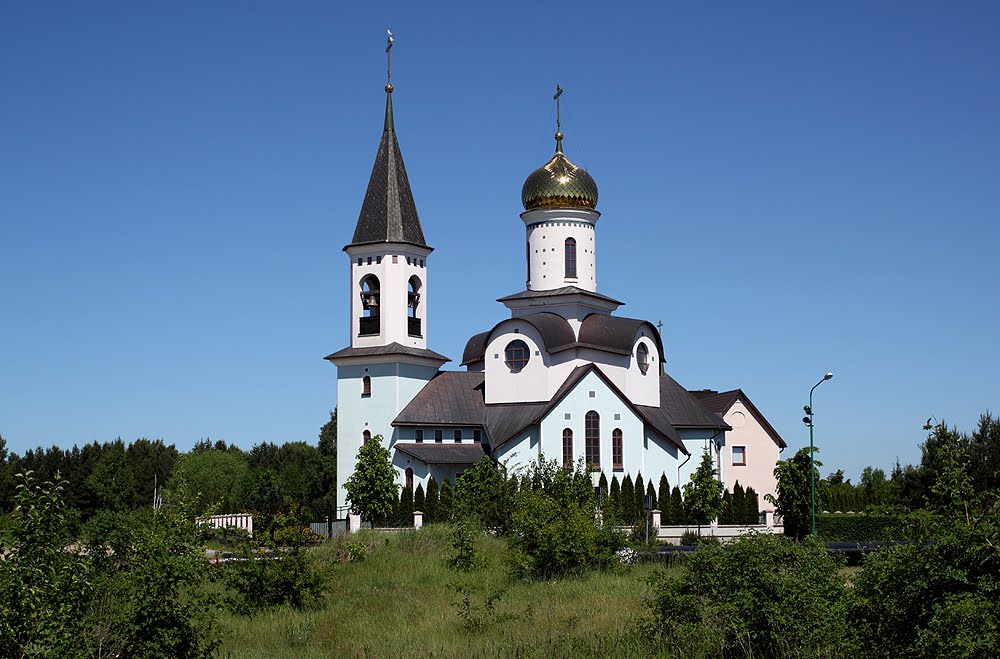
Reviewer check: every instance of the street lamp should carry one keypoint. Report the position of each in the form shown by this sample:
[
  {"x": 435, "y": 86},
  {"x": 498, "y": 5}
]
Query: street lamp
[{"x": 808, "y": 420}]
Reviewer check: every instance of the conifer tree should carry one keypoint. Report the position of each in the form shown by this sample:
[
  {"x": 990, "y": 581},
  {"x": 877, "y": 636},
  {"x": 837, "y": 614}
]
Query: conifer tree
[
  {"x": 728, "y": 515},
  {"x": 446, "y": 501},
  {"x": 603, "y": 484},
  {"x": 677, "y": 514},
  {"x": 525, "y": 483},
  {"x": 663, "y": 502},
  {"x": 404, "y": 511},
  {"x": 639, "y": 494},
  {"x": 739, "y": 503},
  {"x": 751, "y": 507},
  {"x": 433, "y": 501},
  {"x": 513, "y": 485},
  {"x": 627, "y": 507},
  {"x": 651, "y": 493},
  {"x": 614, "y": 499},
  {"x": 419, "y": 499}
]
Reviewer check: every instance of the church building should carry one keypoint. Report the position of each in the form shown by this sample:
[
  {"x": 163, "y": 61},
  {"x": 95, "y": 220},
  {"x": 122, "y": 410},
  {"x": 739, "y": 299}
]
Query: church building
[{"x": 562, "y": 377}]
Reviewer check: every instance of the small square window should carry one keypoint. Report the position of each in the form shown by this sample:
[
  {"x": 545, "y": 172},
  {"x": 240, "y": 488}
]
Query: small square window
[
  {"x": 593, "y": 394},
  {"x": 438, "y": 436},
  {"x": 378, "y": 259},
  {"x": 458, "y": 436},
  {"x": 739, "y": 455},
  {"x": 618, "y": 417},
  {"x": 418, "y": 435},
  {"x": 395, "y": 258},
  {"x": 369, "y": 260},
  {"x": 359, "y": 260},
  {"x": 477, "y": 436},
  {"x": 568, "y": 416}
]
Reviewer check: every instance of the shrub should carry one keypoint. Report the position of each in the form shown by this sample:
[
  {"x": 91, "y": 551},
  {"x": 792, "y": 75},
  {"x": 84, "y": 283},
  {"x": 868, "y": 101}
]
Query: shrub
[
  {"x": 463, "y": 541},
  {"x": 762, "y": 595},
  {"x": 554, "y": 530},
  {"x": 259, "y": 580},
  {"x": 484, "y": 494},
  {"x": 860, "y": 528},
  {"x": 933, "y": 597}
]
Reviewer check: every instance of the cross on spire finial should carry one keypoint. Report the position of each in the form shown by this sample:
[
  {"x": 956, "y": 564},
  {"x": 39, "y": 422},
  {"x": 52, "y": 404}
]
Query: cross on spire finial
[
  {"x": 559, "y": 135},
  {"x": 388, "y": 62}
]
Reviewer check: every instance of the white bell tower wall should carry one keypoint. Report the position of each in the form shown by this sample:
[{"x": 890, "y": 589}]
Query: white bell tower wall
[{"x": 547, "y": 232}]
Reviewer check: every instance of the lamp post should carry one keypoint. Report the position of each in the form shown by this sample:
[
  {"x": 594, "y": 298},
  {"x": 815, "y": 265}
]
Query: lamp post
[{"x": 808, "y": 420}]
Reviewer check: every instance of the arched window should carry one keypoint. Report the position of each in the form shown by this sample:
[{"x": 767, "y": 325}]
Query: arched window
[
  {"x": 571, "y": 258},
  {"x": 366, "y": 387},
  {"x": 592, "y": 436},
  {"x": 642, "y": 357},
  {"x": 617, "y": 453},
  {"x": 516, "y": 355},
  {"x": 567, "y": 448},
  {"x": 412, "y": 304},
  {"x": 370, "y": 292},
  {"x": 366, "y": 437},
  {"x": 409, "y": 478}
]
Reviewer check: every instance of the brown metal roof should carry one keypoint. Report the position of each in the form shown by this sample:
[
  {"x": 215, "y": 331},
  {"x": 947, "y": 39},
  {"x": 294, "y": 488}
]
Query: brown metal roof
[
  {"x": 679, "y": 409},
  {"x": 456, "y": 398},
  {"x": 444, "y": 453},
  {"x": 598, "y": 331},
  {"x": 451, "y": 398},
  {"x": 393, "y": 348},
  {"x": 616, "y": 334}
]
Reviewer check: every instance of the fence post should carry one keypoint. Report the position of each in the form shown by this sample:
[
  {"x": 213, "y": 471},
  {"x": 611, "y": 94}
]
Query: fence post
[
  {"x": 418, "y": 519},
  {"x": 353, "y": 523},
  {"x": 656, "y": 521}
]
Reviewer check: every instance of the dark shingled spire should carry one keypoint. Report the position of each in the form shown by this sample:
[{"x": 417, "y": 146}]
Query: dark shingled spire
[{"x": 388, "y": 213}]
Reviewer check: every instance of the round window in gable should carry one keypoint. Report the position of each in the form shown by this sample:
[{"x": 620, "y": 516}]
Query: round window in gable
[
  {"x": 642, "y": 356},
  {"x": 516, "y": 355}
]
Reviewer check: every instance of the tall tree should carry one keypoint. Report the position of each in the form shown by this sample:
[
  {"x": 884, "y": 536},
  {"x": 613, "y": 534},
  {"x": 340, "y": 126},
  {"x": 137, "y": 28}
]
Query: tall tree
[
  {"x": 627, "y": 506},
  {"x": 371, "y": 489},
  {"x": 703, "y": 493},
  {"x": 419, "y": 499},
  {"x": 447, "y": 501},
  {"x": 214, "y": 475},
  {"x": 663, "y": 502},
  {"x": 614, "y": 499},
  {"x": 794, "y": 499},
  {"x": 638, "y": 499},
  {"x": 751, "y": 507},
  {"x": 677, "y": 512},
  {"x": 602, "y": 483},
  {"x": 433, "y": 501}
]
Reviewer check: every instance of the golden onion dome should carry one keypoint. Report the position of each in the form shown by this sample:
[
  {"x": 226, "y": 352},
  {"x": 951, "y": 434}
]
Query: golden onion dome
[{"x": 559, "y": 184}]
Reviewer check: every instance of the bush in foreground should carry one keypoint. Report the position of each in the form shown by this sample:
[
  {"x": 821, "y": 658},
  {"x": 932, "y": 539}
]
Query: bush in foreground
[{"x": 762, "y": 595}]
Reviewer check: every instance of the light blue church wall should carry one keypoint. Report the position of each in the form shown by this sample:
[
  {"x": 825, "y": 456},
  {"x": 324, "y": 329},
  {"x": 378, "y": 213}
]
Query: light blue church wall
[{"x": 393, "y": 385}]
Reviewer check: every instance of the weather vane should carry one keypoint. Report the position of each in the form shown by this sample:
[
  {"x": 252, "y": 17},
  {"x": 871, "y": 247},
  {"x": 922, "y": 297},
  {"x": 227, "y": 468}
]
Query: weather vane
[{"x": 388, "y": 62}]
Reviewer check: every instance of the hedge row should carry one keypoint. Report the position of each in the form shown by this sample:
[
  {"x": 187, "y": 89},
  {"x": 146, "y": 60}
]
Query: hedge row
[{"x": 859, "y": 528}]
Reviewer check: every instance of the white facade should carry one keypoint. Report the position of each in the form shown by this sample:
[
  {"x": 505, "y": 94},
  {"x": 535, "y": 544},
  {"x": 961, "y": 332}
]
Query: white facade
[
  {"x": 560, "y": 359},
  {"x": 398, "y": 268},
  {"x": 548, "y": 231}
]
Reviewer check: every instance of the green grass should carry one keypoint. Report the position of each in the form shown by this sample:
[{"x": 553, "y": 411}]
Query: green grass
[{"x": 404, "y": 601}]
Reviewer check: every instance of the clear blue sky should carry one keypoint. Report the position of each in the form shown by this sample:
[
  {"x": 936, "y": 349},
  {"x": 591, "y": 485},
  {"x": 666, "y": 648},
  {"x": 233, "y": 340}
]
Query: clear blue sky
[{"x": 790, "y": 187}]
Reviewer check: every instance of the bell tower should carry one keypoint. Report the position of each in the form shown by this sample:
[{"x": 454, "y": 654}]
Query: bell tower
[{"x": 387, "y": 362}]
